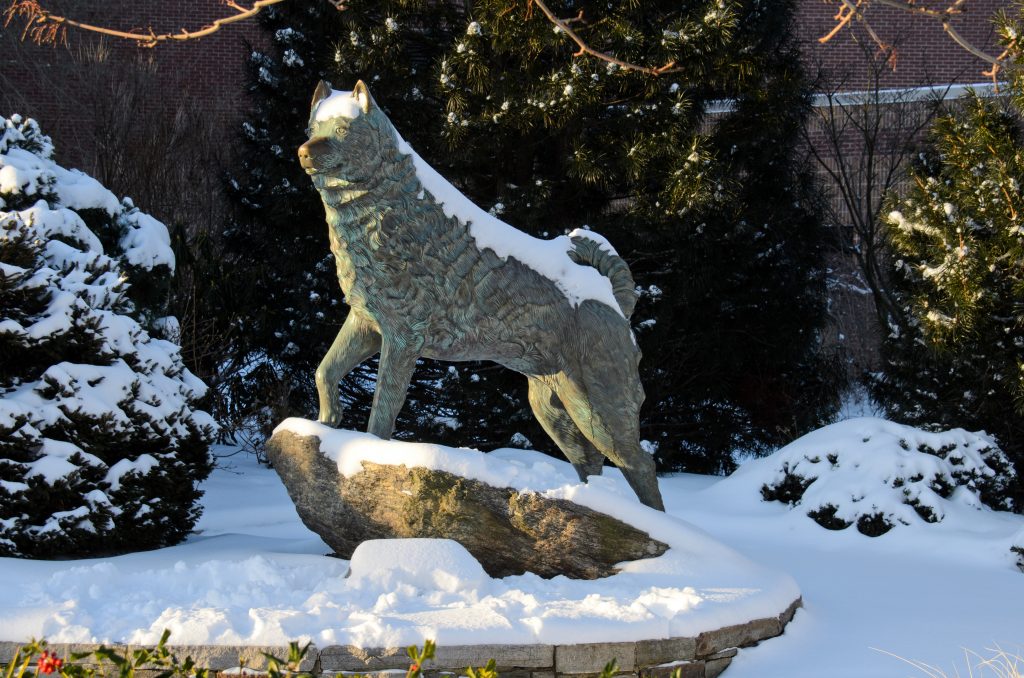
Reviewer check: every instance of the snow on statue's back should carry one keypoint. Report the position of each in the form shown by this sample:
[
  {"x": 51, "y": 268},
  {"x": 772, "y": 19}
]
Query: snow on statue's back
[
  {"x": 550, "y": 258},
  {"x": 428, "y": 273}
]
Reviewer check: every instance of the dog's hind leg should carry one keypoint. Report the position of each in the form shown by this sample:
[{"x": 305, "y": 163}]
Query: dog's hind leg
[
  {"x": 611, "y": 424},
  {"x": 356, "y": 341},
  {"x": 397, "y": 362},
  {"x": 557, "y": 423}
]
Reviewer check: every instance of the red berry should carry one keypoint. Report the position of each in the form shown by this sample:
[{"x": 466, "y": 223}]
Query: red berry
[{"x": 48, "y": 663}]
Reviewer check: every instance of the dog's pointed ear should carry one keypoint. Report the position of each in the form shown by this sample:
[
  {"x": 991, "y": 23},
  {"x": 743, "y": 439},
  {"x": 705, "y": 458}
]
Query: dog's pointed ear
[
  {"x": 362, "y": 94},
  {"x": 322, "y": 91}
]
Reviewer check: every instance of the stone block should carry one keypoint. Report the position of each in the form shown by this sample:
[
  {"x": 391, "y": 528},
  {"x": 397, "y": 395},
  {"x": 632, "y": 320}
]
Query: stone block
[
  {"x": 351, "y": 658},
  {"x": 787, "y": 616},
  {"x": 724, "y": 654},
  {"x": 740, "y": 635},
  {"x": 590, "y": 658},
  {"x": 217, "y": 658},
  {"x": 510, "y": 673},
  {"x": 506, "y": 657},
  {"x": 220, "y": 657},
  {"x": 665, "y": 650},
  {"x": 715, "y": 667},
  {"x": 688, "y": 669}
]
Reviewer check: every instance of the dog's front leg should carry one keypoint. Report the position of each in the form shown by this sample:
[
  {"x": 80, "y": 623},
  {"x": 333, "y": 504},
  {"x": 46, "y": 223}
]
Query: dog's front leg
[
  {"x": 397, "y": 362},
  {"x": 356, "y": 341}
]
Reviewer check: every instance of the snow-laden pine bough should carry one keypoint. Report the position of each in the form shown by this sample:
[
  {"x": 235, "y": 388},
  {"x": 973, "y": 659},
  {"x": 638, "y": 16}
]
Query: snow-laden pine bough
[{"x": 428, "y": 273}]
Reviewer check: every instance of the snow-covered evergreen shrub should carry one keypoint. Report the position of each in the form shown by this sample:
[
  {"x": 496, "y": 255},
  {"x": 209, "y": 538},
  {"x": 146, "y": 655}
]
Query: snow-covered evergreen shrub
[
  {"x": 101, "y": 447},
  {"x": 876, "y": 474}
]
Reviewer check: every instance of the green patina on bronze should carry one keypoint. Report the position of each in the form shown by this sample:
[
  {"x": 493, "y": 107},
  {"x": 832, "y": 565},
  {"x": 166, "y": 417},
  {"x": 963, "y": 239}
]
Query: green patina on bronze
[{"x": 418, "y": 285}]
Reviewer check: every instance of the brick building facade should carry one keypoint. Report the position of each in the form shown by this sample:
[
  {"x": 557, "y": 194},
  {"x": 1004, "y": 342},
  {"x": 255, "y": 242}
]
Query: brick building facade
[
  {"x": 925, "y": 54},
  {"x": 53, "y": 84},
  {"x": 81, "y": 92},
  {"x": 61, "y": 85}
]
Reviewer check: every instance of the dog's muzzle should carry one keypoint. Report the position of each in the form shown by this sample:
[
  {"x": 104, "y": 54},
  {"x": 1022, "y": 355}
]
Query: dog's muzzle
[{"x": 306, "y": 156}]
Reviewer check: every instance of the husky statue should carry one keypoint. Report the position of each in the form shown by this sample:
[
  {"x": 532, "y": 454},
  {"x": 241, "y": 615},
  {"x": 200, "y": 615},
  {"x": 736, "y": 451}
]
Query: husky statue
[{"x": 428, "y": 273}]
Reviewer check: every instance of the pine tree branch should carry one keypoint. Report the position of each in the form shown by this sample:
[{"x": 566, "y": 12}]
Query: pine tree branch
[
  {"x": 46, "y": 28},
  {"x": 584, "y": 48}
]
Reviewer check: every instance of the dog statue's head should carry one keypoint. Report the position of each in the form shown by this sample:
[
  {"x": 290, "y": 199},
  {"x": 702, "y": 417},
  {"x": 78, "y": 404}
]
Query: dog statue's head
[{"x": 348, "y": 138}]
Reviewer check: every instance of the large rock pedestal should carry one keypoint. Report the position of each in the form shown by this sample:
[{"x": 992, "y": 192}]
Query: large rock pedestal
[{"x": 507, "y": 531}]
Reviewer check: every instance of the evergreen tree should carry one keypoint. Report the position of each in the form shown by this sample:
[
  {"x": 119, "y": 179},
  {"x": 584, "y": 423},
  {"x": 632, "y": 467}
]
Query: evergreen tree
[
  {"x": 710, "y": 210},
  {"x": 101, "y": 447},
  {"x": 277, "y": 242},
  {"x": 958, "y": 360}
]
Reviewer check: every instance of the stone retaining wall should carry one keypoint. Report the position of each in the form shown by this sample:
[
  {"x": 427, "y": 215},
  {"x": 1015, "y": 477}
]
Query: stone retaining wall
[{"x": 705, "y": 656}]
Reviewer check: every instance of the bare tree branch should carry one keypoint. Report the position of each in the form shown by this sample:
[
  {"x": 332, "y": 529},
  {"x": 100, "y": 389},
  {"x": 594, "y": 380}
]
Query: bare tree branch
[
  {"x": 47, "y": 28},
  {"x": 856, "y": 9},
  {"x": 563, "y": 26}
]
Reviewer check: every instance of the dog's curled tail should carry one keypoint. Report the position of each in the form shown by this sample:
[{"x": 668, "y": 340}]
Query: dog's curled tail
[{"x": 590, "y": 252}]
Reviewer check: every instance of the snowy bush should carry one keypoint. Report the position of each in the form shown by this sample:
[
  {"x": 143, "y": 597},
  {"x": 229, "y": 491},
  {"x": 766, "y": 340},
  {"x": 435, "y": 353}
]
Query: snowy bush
[
  {"x": 876, "y": 474},
  {"x": 101, "y": 447}
]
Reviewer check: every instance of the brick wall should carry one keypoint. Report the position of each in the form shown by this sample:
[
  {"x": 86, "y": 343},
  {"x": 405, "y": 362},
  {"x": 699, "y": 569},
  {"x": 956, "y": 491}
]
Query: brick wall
[
  {"x": 74, "y": 91},
  {"x": 59, "y": 85},
  {"x": 64, "y": 86},
  {"x": 925, "y": 54}
]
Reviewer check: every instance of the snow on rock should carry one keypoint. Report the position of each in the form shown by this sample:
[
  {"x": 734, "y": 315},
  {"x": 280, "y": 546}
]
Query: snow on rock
[
  {"x": 697, "y": 585},
  {"x": 548, "y": 257},
  {"x": 255, "y": 574},
  {"x": 423, "y": 564},
  {"x": 877, "y": 475}
]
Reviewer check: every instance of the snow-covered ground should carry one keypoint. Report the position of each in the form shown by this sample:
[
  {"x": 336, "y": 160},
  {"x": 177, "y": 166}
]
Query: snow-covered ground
[{"x": 254, "y": 574}]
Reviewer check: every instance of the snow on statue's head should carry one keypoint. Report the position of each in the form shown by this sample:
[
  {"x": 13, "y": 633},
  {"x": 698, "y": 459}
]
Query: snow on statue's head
[
  {"x": 330, "y": 103},
  {"x": 348, "y": 135}
]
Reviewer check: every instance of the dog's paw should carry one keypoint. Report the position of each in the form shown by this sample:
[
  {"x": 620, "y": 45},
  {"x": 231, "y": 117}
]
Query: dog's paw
[{"x": 332, "y": 418}]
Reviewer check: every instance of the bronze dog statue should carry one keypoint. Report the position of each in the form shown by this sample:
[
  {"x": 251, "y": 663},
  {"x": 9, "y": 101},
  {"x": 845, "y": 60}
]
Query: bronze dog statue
[{"x": 426, "y": 273}]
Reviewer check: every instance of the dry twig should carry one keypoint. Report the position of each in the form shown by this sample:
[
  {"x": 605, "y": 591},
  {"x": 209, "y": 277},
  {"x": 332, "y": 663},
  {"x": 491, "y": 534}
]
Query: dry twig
[
  {"x": 855, "y": 9},
  {"x": 46, "y": 28},
  {"x": 584, "y": 48}
]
